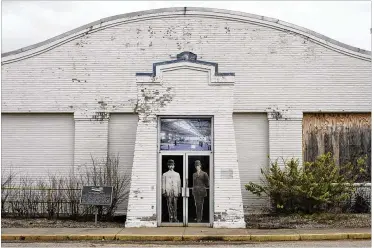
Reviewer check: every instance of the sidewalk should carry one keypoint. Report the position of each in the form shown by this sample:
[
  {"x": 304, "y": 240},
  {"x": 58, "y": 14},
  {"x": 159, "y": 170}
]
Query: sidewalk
[{"x": 181, "y": 234}]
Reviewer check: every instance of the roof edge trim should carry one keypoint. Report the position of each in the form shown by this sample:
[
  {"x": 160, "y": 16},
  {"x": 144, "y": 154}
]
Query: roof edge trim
[{"x": 185, "y": 10}]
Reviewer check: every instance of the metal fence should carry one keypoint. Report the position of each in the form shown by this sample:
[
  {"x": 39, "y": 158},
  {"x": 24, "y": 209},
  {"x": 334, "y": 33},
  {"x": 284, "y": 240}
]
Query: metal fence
[
  {"x": 360, "y": 200},
  {"x": 43, "y": 202},
  {"x": 54, "y": 203}
]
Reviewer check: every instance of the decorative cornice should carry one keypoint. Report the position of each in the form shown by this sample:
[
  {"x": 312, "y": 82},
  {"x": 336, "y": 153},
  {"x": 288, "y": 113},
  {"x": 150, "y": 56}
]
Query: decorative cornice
[
  {"x": 56, "y": 41},
  {"x": 183, "y": 57},
  {"x": 185, "y": 60}
]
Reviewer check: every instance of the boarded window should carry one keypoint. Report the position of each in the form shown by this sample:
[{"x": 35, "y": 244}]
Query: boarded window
[{"x": 346, "y": 136}]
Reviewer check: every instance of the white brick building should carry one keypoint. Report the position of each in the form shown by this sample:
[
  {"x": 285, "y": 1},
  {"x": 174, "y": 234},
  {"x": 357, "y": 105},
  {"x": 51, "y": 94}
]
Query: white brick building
[{"x": 105, "y": 87}]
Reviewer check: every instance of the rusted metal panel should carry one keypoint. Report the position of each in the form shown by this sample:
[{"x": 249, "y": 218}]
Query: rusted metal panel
[{"x": 346, "y": 136}]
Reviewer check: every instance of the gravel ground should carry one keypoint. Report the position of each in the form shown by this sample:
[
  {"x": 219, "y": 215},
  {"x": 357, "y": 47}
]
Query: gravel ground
[
  {"x": 253, "y": 221},
  {"x": 309, "y": 221},
  {"x": 45, "y": 223}
]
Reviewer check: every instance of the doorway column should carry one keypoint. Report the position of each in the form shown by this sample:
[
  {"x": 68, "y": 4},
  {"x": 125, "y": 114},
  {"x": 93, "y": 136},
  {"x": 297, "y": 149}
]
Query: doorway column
[
  {"x": 141, "y": 210},
  {"x": 228, "y": 201}
]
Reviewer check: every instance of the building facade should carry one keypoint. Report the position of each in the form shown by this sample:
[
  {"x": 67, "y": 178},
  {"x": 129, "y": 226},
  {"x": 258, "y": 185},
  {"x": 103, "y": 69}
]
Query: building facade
[{"x": 192, "y": 100}]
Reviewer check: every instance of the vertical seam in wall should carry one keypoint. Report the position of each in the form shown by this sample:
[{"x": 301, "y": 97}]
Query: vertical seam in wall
[{"x": 73, "y": 165}]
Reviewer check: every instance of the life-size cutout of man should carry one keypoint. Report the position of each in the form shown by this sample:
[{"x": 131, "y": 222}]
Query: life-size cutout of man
[
  {"x": 171, "y": 189},
  {"x": 200, "y": 183}
]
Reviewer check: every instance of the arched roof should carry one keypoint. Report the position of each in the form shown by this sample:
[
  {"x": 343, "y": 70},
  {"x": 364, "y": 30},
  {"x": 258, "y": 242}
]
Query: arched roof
[{"x": 51, "y": 43}]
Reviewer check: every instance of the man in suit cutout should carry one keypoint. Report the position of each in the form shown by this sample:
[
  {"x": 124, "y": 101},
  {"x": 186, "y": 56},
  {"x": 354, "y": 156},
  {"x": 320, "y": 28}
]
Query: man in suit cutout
[
  {"x": 171, "y": 189},
  {"x": 200, "y": 183}
]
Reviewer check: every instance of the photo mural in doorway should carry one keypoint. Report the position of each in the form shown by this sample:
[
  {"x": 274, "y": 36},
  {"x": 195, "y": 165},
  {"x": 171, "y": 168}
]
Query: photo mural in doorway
[
  {"x": 172, "y": 189},
  {"x": 188, "y": 134}
]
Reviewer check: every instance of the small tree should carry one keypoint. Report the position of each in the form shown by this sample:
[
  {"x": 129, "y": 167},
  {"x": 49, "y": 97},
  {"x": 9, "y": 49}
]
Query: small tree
[{"x": 310, "y": 188}]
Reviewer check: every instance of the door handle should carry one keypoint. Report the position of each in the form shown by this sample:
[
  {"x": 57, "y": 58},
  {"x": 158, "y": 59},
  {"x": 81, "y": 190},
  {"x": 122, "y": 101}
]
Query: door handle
[{"x": 185, "y": 192}]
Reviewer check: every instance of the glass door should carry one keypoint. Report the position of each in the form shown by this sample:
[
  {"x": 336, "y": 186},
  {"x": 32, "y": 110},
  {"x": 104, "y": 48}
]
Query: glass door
[
  {"x": 185, "y": 190},
  {"x": 185, "y": 170},
  {"x": 171, "y": 181},
  {"x": 199, "y": 183}
]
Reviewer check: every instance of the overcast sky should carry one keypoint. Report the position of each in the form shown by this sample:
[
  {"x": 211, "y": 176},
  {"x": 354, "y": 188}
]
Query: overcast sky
[{"x": 27, "y": 22}]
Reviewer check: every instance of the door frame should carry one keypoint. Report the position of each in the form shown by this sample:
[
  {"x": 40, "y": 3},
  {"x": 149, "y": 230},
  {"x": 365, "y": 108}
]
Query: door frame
[{"x": 185, "y": 155}]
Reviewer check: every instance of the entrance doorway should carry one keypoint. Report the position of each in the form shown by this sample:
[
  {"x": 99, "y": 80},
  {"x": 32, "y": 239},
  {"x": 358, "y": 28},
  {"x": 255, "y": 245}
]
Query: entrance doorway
[
  {"x": 185, "y": 189},
  {"x": 185, "y": 171}
]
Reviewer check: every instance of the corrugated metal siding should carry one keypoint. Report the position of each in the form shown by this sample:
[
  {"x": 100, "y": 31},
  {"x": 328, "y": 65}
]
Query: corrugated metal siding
[
  {"x": 122, "y": 134},
  {"x": 252, "y": 144},
  {"x": 37, "y": 145}
]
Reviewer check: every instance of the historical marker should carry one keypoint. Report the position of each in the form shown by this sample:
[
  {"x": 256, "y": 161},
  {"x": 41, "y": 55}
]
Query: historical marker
[{"x": 97, "y": 195}]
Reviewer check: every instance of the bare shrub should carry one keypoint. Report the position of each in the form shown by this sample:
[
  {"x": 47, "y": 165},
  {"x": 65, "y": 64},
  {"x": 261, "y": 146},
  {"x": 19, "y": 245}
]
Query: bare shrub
[
  {"x": 7, "y": 185},
  {"x": 61, "y": 194},
  {"x": 72, "y": 191},
  {"x": 106, "y": 172},
  {"x": 55, "y": 196},
  {"x": 26, "y": 199}
]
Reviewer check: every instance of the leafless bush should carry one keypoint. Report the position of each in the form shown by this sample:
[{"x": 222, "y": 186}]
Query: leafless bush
[
  {"x": 25, "y": 200},
  {"x": 61, "y": 194},
  {"x": 72, "y": 195},
  {"x": 7, "y": 184},
  {"x": 55, "y": 195},
  {"x": 106, "y": 172}
]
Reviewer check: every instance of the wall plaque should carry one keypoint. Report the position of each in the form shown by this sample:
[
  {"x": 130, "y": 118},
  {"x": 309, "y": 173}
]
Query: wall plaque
[{"x": 227, "y": 174}]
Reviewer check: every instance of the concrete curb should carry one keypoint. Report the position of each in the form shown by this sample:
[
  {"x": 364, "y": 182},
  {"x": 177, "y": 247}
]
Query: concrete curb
[{"x": 126, "y": 237}]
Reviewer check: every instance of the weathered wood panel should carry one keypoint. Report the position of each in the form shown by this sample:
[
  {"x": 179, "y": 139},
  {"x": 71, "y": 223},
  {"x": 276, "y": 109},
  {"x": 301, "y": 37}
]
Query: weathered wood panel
[{"x": 346, "y": 136}]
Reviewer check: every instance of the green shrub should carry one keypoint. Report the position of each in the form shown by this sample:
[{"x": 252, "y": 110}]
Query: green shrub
[{"x": 314, "y": 187}]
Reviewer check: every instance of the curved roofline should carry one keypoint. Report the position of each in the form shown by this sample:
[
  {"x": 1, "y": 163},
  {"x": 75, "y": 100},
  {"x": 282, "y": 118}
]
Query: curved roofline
[{"x": 184, "y": 10}]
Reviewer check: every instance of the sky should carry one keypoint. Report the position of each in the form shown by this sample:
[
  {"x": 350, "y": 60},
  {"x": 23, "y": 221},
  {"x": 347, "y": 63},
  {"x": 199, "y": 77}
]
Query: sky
[{"x": 25, "y": 23}]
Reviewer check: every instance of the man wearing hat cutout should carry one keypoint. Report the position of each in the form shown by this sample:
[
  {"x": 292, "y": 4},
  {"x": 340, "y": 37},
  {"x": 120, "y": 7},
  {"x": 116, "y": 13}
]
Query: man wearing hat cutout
[
  {"x": 171, "y": 189},
  {"x": 200, "y": 183}
]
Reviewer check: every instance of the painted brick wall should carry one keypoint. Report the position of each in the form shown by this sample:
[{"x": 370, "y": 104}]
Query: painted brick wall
[
  {"x": 274, "y": 68},
  {"x": 285, "y": 136},
  {"x": 91, "y": 140}
]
